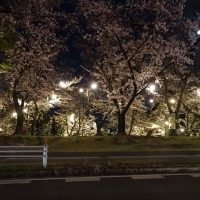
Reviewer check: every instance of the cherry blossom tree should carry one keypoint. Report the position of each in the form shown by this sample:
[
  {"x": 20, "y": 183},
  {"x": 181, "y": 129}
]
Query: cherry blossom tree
[
  {"x": 181, "y": 41},
  {"x": 37, "y": 27},
  {"x": 133, "y": 47}
]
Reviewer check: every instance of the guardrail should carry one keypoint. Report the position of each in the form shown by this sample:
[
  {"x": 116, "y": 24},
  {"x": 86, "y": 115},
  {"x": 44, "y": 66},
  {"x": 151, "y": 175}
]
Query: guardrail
[{"x": 25, "y": 152}]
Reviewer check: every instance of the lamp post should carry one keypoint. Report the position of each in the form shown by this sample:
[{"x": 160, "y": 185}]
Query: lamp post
[
  {"x": 172, "y": 118},
  {"x": 88, "y": 92},
  {"x": 167, "y": 126},
  {"x": 93, "y": 86}
]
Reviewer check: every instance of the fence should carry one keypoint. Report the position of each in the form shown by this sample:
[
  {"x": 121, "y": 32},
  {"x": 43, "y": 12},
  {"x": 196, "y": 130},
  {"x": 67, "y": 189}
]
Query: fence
[{"x": 25, "y": 152}]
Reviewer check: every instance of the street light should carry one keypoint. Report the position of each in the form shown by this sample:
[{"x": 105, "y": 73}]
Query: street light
[
  {"x": 81, "y": 90},
  {"x": 151, "y": 100},
  {"x": 86, "y": 91},
  {"x": 93, "y": 86},
  {"x": 172, "y": 101},
  {"x": 182, "y": 130},
  {"x": 198, "y": 32}
]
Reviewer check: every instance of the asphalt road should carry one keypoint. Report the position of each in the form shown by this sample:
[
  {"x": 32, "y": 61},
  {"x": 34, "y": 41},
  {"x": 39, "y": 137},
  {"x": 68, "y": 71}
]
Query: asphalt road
[{"x": 133, "y": 187}]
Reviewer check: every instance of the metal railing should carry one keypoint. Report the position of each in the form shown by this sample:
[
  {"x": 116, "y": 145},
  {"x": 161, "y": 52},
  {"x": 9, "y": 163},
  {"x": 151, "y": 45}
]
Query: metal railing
[{"x": 25, "y": 152}]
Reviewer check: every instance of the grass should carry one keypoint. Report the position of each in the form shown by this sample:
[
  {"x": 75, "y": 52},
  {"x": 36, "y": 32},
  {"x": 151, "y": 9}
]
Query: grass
[{"x": 106, "y": 144}]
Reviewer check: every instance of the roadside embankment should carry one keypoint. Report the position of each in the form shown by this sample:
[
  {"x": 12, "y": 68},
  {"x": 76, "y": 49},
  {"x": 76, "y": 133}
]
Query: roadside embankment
[{"x": 91, "y": 156}]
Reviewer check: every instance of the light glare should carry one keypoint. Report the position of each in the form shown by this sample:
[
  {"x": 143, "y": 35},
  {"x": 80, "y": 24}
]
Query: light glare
[
  {"x": 94, "y": 86},
  {"x": 152, "y": 88},
  {"x": 151, "y": 100},
  {"x": 167, "y": 123},
  {"x": 25, "y": 110},
  {"x": 182, "y": 130},
  {"x": 72, "y": 118},
  {"x": 172, "y": 101},
  {"x": 198, "y": 92},
  {"x": 53, "y": 99},
  {"x": 14, "y": 115},
  {"x": 155, "y": 126},
  {"x": 62, "y": 84},
  {"x": 81, "y": 90}
]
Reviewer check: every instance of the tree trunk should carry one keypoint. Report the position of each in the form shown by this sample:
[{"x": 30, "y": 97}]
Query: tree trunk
[
  {"x": 20, "y": 122},
  {"x": 79, "y": 120},
  {"x": 173, "y": 124},
  {"x": 54, "y": 128},
  {"x": 33, "y": 124},
  {"x": 20, "y": 114},
  {"x": 132, "y": 122},
  {"x": 121, "y": 124},
  {"x": 99, "y": 126}
]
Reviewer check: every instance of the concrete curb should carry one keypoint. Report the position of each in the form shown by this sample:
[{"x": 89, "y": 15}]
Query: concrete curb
[{"x": 95, "y": 171}]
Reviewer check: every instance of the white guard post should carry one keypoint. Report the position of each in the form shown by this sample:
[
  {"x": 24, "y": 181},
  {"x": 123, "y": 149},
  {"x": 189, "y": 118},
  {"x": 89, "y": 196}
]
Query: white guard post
[{"x": 45, "y": 155}]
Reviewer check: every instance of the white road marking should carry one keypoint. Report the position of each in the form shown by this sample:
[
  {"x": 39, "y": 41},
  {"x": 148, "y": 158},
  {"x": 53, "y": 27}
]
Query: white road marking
[
  {"x": 148, "y": 176},
  {"x": 17, "y": 181},
  {"x": 96, "y": 178},
  {"x": 195, "y": 175},
  {"x": 82, "y": 179}
]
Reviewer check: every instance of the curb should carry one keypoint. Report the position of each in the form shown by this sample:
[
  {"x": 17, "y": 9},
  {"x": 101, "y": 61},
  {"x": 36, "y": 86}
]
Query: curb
[{"x": 95, "y": 171}]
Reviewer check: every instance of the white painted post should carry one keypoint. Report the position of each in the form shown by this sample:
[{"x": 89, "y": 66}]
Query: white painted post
[{"x": 45, "y": 155}]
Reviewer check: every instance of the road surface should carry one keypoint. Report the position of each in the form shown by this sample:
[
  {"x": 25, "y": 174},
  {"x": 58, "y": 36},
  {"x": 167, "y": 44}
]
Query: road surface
[{"x": 132, "y": 187}]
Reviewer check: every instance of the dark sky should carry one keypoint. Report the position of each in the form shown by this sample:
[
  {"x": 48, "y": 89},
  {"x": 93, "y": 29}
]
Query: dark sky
[{"x": 192, "y": 7}]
